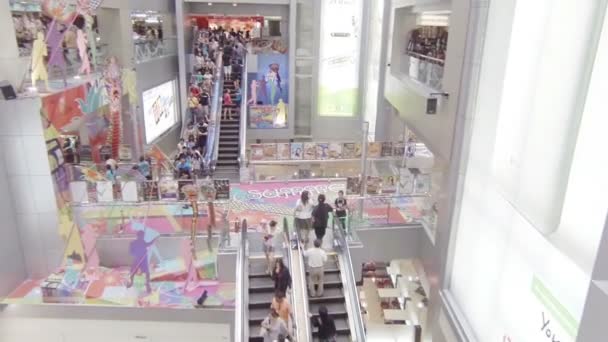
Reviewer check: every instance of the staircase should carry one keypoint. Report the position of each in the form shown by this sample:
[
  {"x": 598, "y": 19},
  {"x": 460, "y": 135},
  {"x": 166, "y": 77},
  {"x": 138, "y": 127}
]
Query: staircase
[
  {"x": 228, "y": 147},
  {"x": 261, "y": 291},
  {"x": 333, "y": 300}
]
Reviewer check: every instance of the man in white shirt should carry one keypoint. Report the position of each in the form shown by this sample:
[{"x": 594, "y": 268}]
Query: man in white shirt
[{"x": 316, "y": 260}]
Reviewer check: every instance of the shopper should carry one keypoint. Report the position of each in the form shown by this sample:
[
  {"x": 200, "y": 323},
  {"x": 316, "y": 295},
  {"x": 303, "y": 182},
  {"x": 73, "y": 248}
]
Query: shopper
[
  {"x": 303, "y": 216},
  {"x": 316, "y": 258},
  {"x": 341, "y": 208},
  {"x": 273, "y": 326},
  {"x": 144, "y": 168},
  {"x": 281, "y": 276},
  {"x": 325, "y": 325},
  {"x": 281, "y": 305},
  {"x": 227, "y": 62},
  {"x": 270, "y": 232},
  {"x": 227, "y": 113},
  {"x": 320, "y": 216},
  {"x": 110, "y": 174},
  {"x": 237, "y": 98},
  {"x": 112, "y": 162}
]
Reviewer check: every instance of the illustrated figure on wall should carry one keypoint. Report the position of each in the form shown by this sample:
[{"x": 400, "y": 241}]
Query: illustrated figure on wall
[
  {"x": 280, "y": 114},
  {"x": 139, "y": 251},
  {"x": 150, "y": 235},
  {"x": 89, "y": 237},
  {"x": 187, "y": 251},
  {"x": 54, "y": 40},
  {"x": 254, "y": 93},
  {"x": 273, "y": 83},
  {"x": 39, "y": 51},
  {"x": 81, "y": 43}
]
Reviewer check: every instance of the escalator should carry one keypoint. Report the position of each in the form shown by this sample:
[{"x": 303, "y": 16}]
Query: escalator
[
  {"x": 340, "y": 294},
  {"x": 333, "y": 299},
  {"x": 261, "y": 291}
]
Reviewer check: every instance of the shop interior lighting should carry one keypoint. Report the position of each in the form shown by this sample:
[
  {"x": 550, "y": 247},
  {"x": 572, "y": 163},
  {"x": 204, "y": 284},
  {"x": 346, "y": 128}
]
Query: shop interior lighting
[
  {"x": 234, "y": 4},
  {"x": 209, "y": 4}
]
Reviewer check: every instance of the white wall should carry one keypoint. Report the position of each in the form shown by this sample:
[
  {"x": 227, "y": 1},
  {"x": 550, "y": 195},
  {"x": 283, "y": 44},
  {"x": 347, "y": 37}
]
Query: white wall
[
  {"x": 12, "y": 270},
  {"x": 500, "y": 255},
  {"x": 30, "y": 186},
  {"x": 59, "y": 323}
]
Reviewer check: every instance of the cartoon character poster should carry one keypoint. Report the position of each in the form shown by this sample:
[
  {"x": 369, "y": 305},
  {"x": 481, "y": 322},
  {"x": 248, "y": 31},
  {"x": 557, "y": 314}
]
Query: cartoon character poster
[{"x": 269, "y": 94}]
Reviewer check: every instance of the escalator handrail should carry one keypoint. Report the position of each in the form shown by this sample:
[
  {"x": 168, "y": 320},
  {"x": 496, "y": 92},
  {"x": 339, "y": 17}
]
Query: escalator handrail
[
  {"x": 213, "y": 132},
  {"x": 351, "y": 284},
  {"x": 243, "y": 117},
  {"x": 303, "y": 286},
  {"x": 241, "y": 325},
  {"x": 287, "y": 254}
]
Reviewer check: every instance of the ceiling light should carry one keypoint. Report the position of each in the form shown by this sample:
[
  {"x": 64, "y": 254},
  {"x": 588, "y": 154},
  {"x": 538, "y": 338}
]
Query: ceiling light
[
  {"x": 209, "y": 4},
  {"x": 234, "y": 4}
]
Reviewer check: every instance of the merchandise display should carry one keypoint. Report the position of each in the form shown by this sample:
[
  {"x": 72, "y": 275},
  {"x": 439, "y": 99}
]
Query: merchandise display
[{"x": 331, "y": 150}]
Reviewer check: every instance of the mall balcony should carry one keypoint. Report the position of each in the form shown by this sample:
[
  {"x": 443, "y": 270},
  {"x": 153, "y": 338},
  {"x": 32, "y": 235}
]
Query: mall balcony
[{"x": 456, "y": 143}]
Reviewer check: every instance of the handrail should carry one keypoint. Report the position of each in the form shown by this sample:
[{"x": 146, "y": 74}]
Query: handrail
[
  {"x": 241, "y": 324},
  {"x": 304, "y": 287},
  {"x": 213, "y": 132},
  {"x": 243, "y": 118},
  {"x": 350, "y": 285},
  {"x": 289, "y": 260}
]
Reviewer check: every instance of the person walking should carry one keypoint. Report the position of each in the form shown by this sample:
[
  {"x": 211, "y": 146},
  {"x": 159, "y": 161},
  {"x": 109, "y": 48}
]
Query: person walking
[
  {"x": 303, "y": 214},
  {"x": 320, "y": 216},
  {"x": 227, "y": 106},
  {"x": 144, "y": 168},
  {"x": 341, "y": 208},
  {"x": 283, "y": 308},
  {"x": 325, "y": 325},
  {"x": 273, "y": 326},
  {"x": 270, "y": 232},
  {"x": 316, "y": 258},
  {"x": 281, "y": 276}
]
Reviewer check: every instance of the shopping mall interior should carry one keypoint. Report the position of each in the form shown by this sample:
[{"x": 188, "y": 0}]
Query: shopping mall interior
[{"x": 303, "y": 170}]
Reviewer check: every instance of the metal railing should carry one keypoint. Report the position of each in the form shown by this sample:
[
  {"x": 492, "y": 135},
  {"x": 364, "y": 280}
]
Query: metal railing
[
  {"x": 147, "y": 49},
  {"x": 301, "y": 265},
  {"x": 213, "y": 133},
  {"x": 241, "y": 325},
  {"x": 287, "y": 247},
  {"x": 349, "y": 282},
  {"x": 243, "y": 118}
]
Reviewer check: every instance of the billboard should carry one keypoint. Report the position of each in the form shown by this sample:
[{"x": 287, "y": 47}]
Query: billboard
[
  {"x": 160, "y": 109},
  {"x": 339, "y": 57},
  {"x": 269, "y": 92}
]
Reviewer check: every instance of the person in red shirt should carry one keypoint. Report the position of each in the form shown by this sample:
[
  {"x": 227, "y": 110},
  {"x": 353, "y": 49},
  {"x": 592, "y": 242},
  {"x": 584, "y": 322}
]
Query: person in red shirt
[{"x": 227, "y": 106}]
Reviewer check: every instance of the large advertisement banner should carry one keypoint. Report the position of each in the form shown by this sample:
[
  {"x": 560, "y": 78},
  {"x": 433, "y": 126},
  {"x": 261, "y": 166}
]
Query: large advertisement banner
[
  {"x": 269, "y": 92},
  {"x": 339, "y": 57},
  {"x": 160, "y": 111}
]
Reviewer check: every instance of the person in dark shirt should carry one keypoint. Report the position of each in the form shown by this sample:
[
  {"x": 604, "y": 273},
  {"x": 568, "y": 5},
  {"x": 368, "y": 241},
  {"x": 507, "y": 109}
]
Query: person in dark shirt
[
  {"x": 281, "y": 276},
  {"x": 341, "y": 206},
  {"x": 326, "y": 325},
  {"x": 320, "y": 216}
]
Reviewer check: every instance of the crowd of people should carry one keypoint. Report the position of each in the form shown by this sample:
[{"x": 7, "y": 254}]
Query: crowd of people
[
  {"x": 209, "y": 44},
  {"x": 277, "y": 326}
]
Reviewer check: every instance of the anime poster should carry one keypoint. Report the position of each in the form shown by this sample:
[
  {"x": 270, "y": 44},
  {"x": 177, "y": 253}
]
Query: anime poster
[
  {"x": 335, "y": 150},
  {"x": 323, "y": 151},
  {"x": 310, "y": 151},
  {"x": 257, "y": 152},
  {"x": 283, "y": 151},
  {"x": 374, "y": 185},
  {"x": 168, "y": 189},
  {"x": 374, "y": 149},
  {"x": 389, "y": 184},
  {"x": 270, "y": 151},
  {"x": 353, "y": 185},
  {"x": 222, "y": 189},
  {"x": 398, "y": 149},
  {"x": 297, "y": 151},
  {"x": 267, "y": 116},
  {"x": 387, "y": 149},
  {"x": 358, "y": 150},
  {"x": 348, "y": 150},
  {"x": 269, "y": 92}
]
